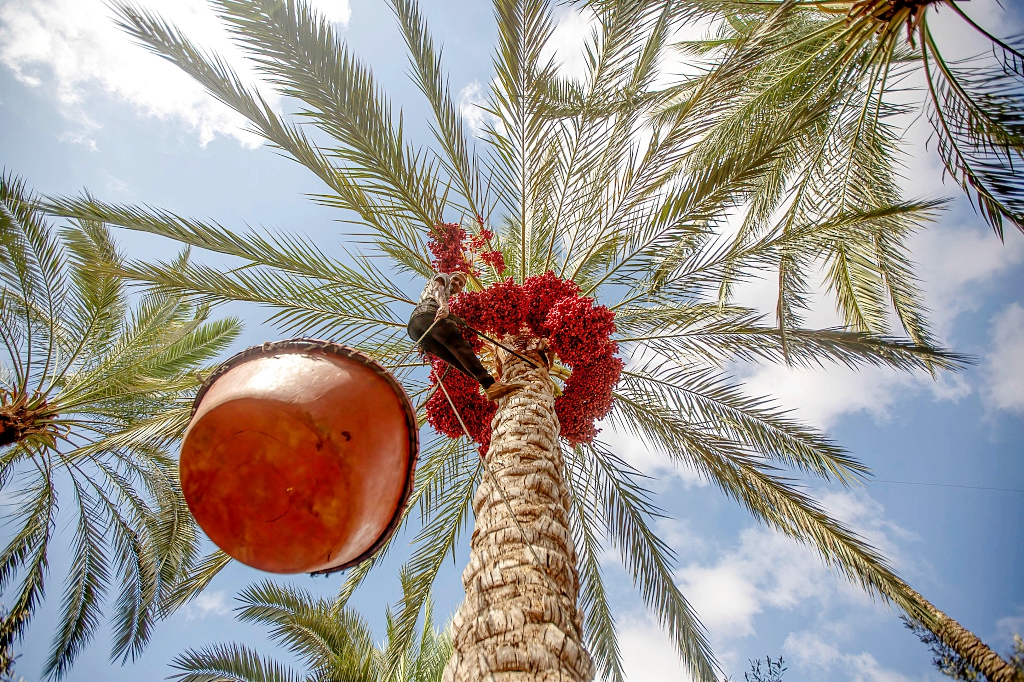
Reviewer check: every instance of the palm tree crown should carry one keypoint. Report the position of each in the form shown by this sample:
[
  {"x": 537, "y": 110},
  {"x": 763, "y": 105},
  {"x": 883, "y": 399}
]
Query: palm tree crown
[
  {"x": 333, "y": 641},
  {"x": 853, "y": 61},
  {"x": 93, "y": 392},
  {"x": 606, "y": 185}
]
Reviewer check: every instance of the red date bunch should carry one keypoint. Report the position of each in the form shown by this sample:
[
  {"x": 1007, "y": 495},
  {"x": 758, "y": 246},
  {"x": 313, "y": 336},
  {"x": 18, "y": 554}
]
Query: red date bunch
[
  {"x": 447, "y": 244},
  {"x": 476, "y": 410},
  {"x": 576, "y": 330},
  {"x": 453, "y": 252}
]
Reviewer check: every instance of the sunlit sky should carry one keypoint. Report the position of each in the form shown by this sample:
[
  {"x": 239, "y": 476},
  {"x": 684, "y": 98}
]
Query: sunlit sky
[{"x": 81, "y": 107}]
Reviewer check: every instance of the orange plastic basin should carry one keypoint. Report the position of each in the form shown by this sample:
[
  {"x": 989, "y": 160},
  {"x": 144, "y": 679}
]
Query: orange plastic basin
[{"x": 299, "y": 456}]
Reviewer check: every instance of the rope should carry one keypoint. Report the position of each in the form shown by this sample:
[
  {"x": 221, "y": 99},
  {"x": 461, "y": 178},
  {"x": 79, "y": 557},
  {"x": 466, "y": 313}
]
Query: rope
[
  {"x": 457, "y": 320},
  {"x": 501, "y": 491},
  {"x": 432, "y": 391}
]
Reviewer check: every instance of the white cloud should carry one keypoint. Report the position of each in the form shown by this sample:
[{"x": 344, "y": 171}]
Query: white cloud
[
  {"x": 84, "y": 134},
  {"x": 1005, "y": 361},
  {"x": 647, "y": 654},
  {"x": 960, "y": 262},
  {"x": 813, "y": 654},
  {"x": 335, "y": 11},
  {"x": 769, "y": 570},
  {"x": 957, "y": 41},
  {"x": 822, "y": 395},
  {"x": 724, "y": 596},
  {"x": 207, "y": 604},
  {"x": 73, "y": 47},
  {"x": 566, "y": 44},
  {"x": 115, "y": 184},
  {"x": 867, "y": 517},
  {"x": 572, "y": 27},
  {"x": 958, "y": 265},
  {"x": 652, "y": 462},
  {"x": 1009, "y": 626},
  {"x": 472, "y": 107},
  {"x": 678, "y": 535}
]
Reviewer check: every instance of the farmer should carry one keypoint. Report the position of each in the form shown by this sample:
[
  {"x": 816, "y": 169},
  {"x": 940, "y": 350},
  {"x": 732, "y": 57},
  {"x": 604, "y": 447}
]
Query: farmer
[{"x": 445, "y": 340}]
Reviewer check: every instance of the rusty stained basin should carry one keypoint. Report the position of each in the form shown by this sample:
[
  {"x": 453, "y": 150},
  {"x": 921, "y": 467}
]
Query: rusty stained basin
[{"x": 299, "y": 456}]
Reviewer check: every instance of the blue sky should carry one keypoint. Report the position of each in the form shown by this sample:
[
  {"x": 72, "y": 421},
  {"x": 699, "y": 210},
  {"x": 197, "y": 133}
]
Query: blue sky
[{"x": 81, "y": 107}]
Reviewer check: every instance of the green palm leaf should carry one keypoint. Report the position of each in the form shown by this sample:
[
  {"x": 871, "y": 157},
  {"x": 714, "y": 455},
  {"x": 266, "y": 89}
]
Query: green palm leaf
[{"x": 333, "y": 642}]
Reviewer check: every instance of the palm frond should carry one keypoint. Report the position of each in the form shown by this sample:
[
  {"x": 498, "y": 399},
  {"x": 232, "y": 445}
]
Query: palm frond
[
  {"x": 297, "y": 620},
  {"x": 843, "y": 163},
  {"x": 104, "y": 388},
  {"x": 195, "y": 581},
  {"x": 715, "y": 335},
  {"x": 648, "y": 560},
  {"x": 299, "y": 53},
  {"x": 977, "y": 113},
  {"x": 84, "y": 590},
  {"x": 460, "y": 163},
  {"x": 598, "y": 620},
  {"x": 771, "y": 498},
  {"x": 393, "y": 234},
  {"x": 433, "y": 544},
  {"x": 524, "y": 145},
  {"x": 27, "y": 551},
  {"x": 233, "y": 662},
  {"x": 623, "y": 184},
  {"x": 706, "y": 398}
]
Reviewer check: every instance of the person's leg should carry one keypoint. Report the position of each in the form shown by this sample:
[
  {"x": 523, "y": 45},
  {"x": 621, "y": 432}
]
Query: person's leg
[
  {"x": 447, "y": 342},
  {"x": 434, "y": 348},
  {"x": 418, "y": 324}
]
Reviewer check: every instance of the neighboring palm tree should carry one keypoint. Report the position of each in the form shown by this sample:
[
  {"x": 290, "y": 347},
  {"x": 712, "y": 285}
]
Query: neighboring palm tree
[
  {"x": 92, "y": 392},
  {"x": 596, "y": 184},
  {"x": 851, "y": 63},
  {"x": 856, "y": 55},
  {"x": 332, "y": 641}
]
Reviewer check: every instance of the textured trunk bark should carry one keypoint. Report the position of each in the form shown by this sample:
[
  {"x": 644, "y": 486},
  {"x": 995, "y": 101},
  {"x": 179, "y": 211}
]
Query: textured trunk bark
[
  {"x": 520, "y": 621},
  {"x": 965, "y": 643}
]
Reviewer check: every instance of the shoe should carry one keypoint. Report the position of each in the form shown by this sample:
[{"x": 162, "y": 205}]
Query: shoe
[{"x": 500, "y": 389}]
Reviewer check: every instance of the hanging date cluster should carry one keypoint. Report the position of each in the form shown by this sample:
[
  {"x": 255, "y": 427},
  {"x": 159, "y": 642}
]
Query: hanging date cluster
[{"x": 577, "y": 331}]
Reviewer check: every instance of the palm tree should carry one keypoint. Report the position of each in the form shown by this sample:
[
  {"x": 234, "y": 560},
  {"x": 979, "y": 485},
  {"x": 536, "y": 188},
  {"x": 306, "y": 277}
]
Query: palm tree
[
  {"x": 856, "y": 55},
  {"x": 596, "y": 192},
  {"x": 333, "y": 642},
  {"x": 93, "y": 392}
]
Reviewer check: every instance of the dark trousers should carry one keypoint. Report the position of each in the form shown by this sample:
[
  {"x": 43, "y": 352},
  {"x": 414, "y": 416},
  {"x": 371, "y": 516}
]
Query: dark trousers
[{"x": 446, "y": 341}]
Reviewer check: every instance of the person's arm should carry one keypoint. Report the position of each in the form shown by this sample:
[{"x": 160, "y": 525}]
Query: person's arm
[{"x": 441, "y": 298}]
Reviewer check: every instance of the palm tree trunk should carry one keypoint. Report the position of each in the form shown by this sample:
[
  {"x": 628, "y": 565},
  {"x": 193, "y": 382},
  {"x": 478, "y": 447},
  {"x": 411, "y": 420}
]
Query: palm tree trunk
[
  {"x": 520, "y": 620},
  {"x": 967, "y": 645}
]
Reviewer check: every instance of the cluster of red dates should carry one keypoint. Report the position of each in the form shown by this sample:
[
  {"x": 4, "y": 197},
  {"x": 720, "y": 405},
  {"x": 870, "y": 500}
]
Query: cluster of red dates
[{"x": 576, "y": 330}]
